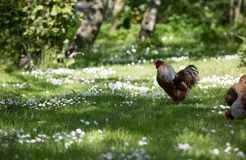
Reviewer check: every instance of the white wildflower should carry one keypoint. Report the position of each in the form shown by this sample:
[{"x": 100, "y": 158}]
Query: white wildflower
[
  {"x": 184, "y": 146},
  {"x": 240, "y": 154},
  {"x": 143, "y": 141},
  {"x": 215, "y": 151}
]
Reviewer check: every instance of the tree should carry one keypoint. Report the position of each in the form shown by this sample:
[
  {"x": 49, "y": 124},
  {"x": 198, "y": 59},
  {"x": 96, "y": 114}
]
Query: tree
[
  {"x": 235, "y": 7},
  {"x": 149, "y": 19},
  {"x": 34, "y": 30},
  {"x": 89, "y": 27},
  {"x": 117, "y": 10},
  {"x": 244, "y": 8}
]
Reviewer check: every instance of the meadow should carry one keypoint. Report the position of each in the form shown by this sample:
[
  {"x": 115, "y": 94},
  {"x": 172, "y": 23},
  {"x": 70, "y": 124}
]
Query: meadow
[{"x": 118, "y": 111}]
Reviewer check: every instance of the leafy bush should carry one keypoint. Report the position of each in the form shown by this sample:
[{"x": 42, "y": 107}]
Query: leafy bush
[
  {"x": 31, "y": 27},
  {"x": 242, "y": 51},
  {"x": 11, "y": 30}
]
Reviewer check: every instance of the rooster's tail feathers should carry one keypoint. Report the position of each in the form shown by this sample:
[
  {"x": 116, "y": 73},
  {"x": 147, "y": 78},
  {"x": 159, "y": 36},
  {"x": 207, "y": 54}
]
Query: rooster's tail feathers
[
  {"x": 190, "y": 75},
  {"x": 193, "y": 70}
]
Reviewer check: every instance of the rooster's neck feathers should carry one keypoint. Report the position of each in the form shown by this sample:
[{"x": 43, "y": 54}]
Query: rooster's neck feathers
[{"x": 166, "y": 72}]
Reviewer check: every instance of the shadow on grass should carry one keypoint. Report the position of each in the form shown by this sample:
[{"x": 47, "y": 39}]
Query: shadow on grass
[
  {"x": 142, "y": 113},
  {"x": 161, "y": 120},
  {"x": 114, "y": 108}
]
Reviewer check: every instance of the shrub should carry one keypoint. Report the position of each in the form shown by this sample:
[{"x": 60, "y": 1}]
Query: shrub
[
  {"x": 242, "y": 51},
  {"x": 31, "y": 27}
]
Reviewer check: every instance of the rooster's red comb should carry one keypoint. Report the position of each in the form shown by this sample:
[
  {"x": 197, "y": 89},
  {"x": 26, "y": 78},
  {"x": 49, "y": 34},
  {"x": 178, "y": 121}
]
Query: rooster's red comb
[{"x": 158, "y": 63}]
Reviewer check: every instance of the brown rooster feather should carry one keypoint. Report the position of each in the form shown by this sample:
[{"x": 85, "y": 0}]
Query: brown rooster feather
[
  {"x": 236, "y": 99},
  {"x": 176, "y": 85},
  {"x": 236, "y": 90},
  {"x": 231, "y": 96}
]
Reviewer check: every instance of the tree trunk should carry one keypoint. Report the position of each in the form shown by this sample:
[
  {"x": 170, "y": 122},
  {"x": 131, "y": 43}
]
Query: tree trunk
[
  {"x": 244, "y": 9},
  {"x": 149, "y": 19},
  {"x": 117, "y": 10},
  {"x": 89, "y": 28},
  {"x": 83, "y": 6},
  {"x": 235, "y": 7}
]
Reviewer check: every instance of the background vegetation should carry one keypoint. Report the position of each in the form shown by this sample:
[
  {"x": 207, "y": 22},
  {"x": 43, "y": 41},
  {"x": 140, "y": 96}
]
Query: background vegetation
[{"x": 42, "y": 31}]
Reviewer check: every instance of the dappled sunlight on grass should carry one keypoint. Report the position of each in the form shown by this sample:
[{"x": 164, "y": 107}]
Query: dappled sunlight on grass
[{"x": 117, "y": 112}]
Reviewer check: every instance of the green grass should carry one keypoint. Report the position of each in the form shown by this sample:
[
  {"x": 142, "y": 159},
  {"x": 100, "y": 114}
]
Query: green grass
[
  {"x": 169, "y": 39},
  {"x": 119, "y": 120}
]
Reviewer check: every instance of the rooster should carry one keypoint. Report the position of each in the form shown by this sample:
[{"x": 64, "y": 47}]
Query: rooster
[
  {"x": 176, "y": 85},
  {"x": 236, "y": 90},
  {"x": 236, "y": 99}
]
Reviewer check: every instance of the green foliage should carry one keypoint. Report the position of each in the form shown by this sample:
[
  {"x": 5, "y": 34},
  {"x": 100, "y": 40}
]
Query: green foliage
[
  {"x": 41, "y": 30},
  {"x": 27, "y": 27},
  {"x": 201, "y": 11},
  {"x": 242, "y": 51},
  {"x": 11, "y": 30},
  {"x": 193, "y": 28}
]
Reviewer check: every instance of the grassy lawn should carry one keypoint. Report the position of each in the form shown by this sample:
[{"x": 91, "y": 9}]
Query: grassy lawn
[{"x": 118, "y": 112}]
